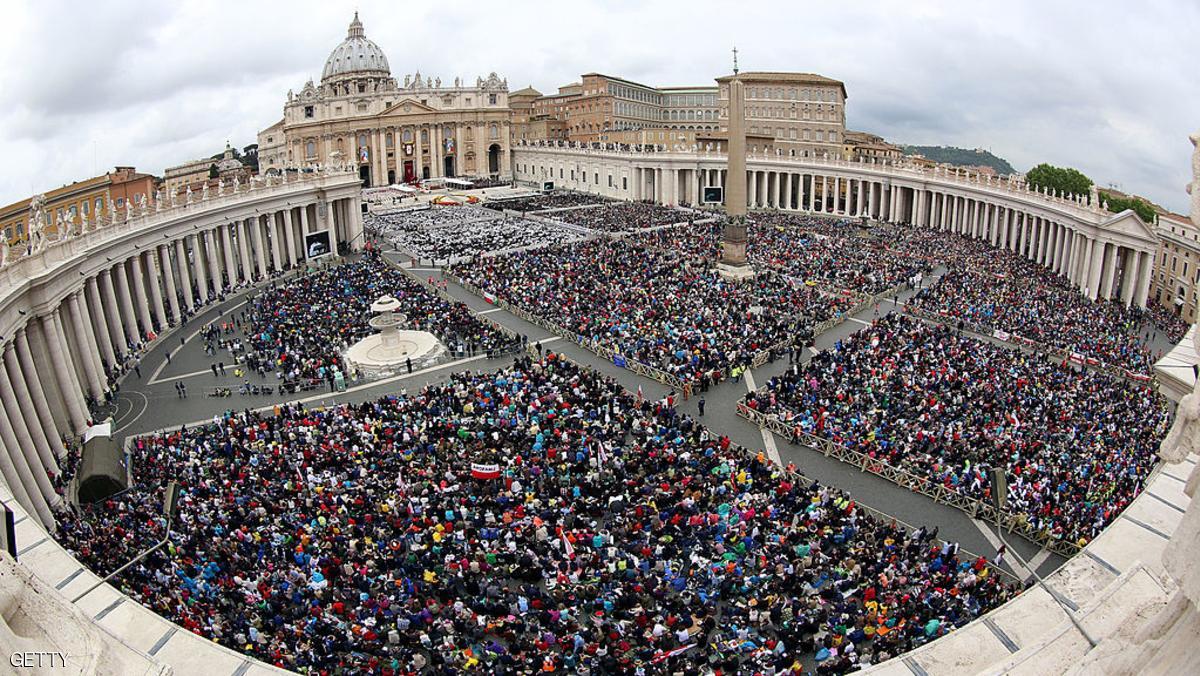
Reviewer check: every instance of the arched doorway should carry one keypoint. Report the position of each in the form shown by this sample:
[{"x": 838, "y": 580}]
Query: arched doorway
[
  {"x": 494, "y": 159},
  {"x": 364, "y": 173},
  {"x": 391, "y": 176},
  {"x": 448, "y": 162}
]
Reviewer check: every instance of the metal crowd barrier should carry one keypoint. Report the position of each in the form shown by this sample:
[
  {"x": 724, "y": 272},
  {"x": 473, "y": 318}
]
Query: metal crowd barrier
[{"x": 979, "y": 509}]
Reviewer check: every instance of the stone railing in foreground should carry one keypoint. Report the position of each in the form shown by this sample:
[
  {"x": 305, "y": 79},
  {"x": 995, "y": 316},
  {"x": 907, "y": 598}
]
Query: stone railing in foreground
[
  {"x": 1116, "y": 584},
  {"x": 978, "y": 509},
  {"x": 29, "y": 259}
]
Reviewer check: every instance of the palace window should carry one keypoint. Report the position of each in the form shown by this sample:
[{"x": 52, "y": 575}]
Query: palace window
[
  {"x": 424, "y": 136},
  {"x": 362, "y": 107},
  {"x": 491, "y": 99},
  {"x": 308, "y": 111},
  {"x": 407, "y": 136},
  {"x": 99, "y": 205},
  {"x": 310, "y": 149},
  {"x": 337, "y": 110}
]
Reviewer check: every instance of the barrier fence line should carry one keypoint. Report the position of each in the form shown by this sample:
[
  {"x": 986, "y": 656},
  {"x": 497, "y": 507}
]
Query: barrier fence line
[
  {"x": 1139, "y": 379},
  {"x": 979, "y": 509},
  {"x": 807, "y": 481}
]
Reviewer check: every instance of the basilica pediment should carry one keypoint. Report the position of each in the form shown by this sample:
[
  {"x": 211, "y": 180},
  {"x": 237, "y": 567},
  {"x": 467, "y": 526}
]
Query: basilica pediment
[{"x": 408, "y": 107}]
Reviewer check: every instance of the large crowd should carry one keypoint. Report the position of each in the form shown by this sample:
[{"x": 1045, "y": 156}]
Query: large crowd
[
  {"x": 557, "y": 199},
  {"x": 623, "y": 216},
  {"x": 1000, "y": 290},
  {"x": 646, "y": 299},
  {"x": 529, "y": 519},
  {"x": 1076, "y": 444},
  {"x": 299, "y": 329},
  {"x": 444, "y": 234}
]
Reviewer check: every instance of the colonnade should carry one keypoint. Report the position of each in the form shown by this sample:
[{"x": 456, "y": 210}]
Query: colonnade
[
  {"x": 1103, "y": 258},
  {"x": 61, "y": 357}
]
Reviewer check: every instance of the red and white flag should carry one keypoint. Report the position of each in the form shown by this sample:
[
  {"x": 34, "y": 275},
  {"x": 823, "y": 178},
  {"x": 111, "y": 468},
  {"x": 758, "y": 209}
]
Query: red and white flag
[
  {"x": 489, "y": 298},
  {"x": 482, "y": 470}
]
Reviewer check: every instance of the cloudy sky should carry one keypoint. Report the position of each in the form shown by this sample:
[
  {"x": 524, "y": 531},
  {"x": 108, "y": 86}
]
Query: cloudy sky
[{"x": 1107, "y": 86}]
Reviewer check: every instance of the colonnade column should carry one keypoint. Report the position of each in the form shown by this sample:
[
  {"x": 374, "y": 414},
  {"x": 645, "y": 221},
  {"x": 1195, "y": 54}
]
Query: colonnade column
[
  {"x": 90, "y": 367},
  {"x": 198, "y": 267},
  {"x": 243, "y": 235},
  {"x": 72, "y": 396},
  {"x": 139, "y": 294},
  {"x": 213, "y": 259},
  {"x": 290, "y": 235},
  {"x": 181, "y": 265},
  {"x": 99, "y": 325},
  {"x": 20, "y": 476},
  {"x": 1142, "y": 290},
  {"x": 231, "y": 268},
  {"x": 130, "y": 323},
  {"x": 155, "y": 280},
  {"x": 164, "y": 257},
  {"x": 259, "y": 252},
  {"x": 40, "y": 453},
  {"x": 37, "y": 393},
  {"x": 112, "y": 310}
]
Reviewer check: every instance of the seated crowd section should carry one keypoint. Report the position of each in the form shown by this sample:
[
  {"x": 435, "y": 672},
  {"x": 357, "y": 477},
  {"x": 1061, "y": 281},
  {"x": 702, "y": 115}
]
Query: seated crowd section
[
  {"x": 300, "y": 329},
  {"x": 1077, "y": 444},
  {"x": 446, "y": 233},
  {"x": 612, "y": 535}
]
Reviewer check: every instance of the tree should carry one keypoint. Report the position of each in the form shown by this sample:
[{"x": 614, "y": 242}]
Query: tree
[
  {"x": 1058, "y": 179},
  {"x": 212, "y": 171},
  {"x": 250, "y": 156},
  {"x": 1117, "y": 204}
]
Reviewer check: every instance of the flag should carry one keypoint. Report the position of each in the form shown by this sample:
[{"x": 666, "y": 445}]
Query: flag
[
  {"x": 489, "y": 298},
  {"x": 662, "y": 656},
  {"x": 480, "y": 470},
  {"x": 568, "y": 548},
  {"x": 639, "y": 394}
]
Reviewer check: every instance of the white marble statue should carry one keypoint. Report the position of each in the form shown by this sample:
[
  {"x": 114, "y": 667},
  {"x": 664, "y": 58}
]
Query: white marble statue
[
  {"x": 1194, "y": 188},
  {"x": 220, "y": 187},
  {"x": 204, "y": 192},
  {"x": 236, "y": 183}
]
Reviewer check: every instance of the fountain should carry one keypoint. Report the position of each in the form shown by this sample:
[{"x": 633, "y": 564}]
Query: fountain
[{"x": 389, "y": 351}]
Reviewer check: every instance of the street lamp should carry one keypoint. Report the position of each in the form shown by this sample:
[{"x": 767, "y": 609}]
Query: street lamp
[{"x": 170, "y": 497}]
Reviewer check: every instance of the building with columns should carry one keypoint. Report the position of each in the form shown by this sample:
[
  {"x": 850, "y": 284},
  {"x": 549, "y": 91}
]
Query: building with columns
[
  {"x": 391, "y": 132},
  {"x": 1176, "y": 279},
  {"x": 1105, "y": 255}
]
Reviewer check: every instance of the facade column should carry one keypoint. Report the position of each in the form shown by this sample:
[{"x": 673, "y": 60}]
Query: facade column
[
  {"x": 1129, "y": 279},
  {"x": 290, "y": 235},
  {"x": 260, "y": 254},
  {"x": 130, "y": 323},
  {"x": 37, "y": 394},
  {"x": 1069, "y": 254},
  {"x": 72, "y": 396},
  {"x": 1111, "y": 252},
  {"x": 1142, "y": 289},
  {"x": 42, "y": 452},
  {"x": 91, "y": 368},
  {"x": 185, "y": 280},
  {"x": 164, "y": 256},
  {"x": 1095, "y": 269},
  {"x": 97, "y": 313},
  {"x": 824, "y": 194},
  {"x": 156, "y": 299}
]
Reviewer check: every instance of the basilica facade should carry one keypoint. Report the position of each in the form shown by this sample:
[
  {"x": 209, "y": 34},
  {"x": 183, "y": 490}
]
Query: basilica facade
[{"x": 392, "y": 132}]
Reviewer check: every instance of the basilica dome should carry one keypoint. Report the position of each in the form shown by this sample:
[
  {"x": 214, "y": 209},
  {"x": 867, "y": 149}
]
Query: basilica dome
[{"x": 356, "y": 54}]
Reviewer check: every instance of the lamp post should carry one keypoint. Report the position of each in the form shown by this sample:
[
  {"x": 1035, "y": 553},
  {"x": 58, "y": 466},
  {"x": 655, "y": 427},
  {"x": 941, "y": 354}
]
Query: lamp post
[{"x": 170, "y": 496}]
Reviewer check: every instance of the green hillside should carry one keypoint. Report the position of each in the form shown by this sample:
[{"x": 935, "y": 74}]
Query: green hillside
[{"x": 961, "y": 157}]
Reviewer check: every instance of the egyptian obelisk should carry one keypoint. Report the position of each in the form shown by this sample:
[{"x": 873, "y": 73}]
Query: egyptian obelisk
[{"x": 733, "y": 264}]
